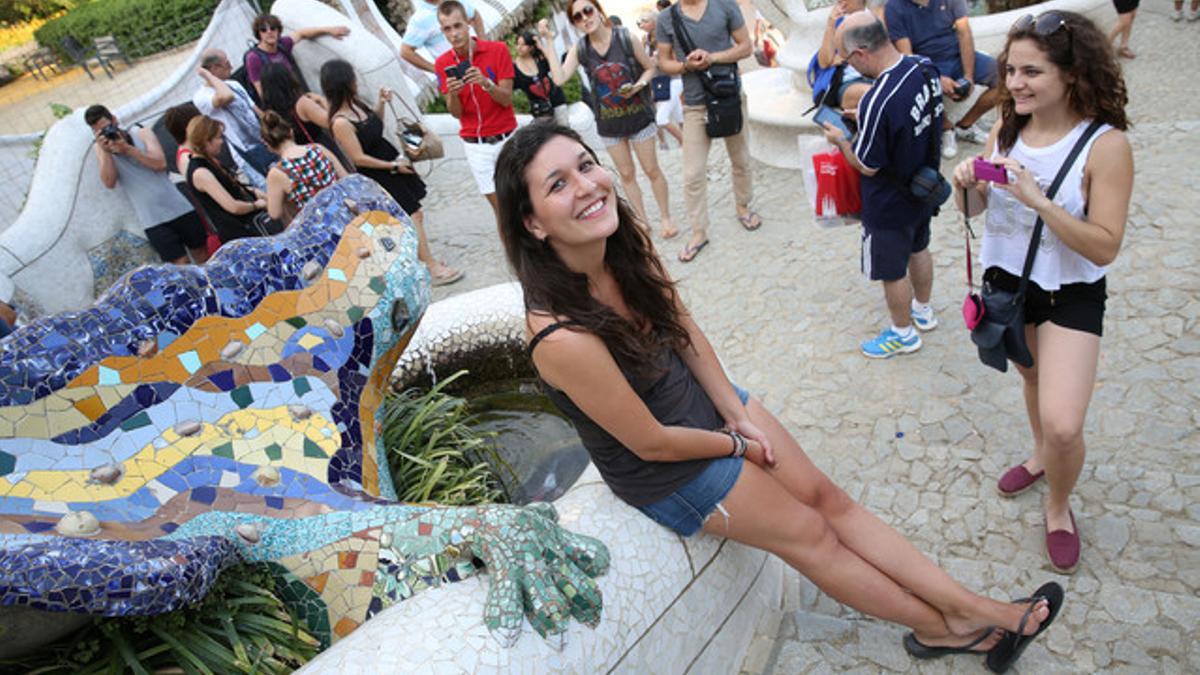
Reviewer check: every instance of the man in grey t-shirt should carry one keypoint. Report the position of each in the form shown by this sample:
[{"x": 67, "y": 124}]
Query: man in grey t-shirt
[{"x": 720, "y": 39}]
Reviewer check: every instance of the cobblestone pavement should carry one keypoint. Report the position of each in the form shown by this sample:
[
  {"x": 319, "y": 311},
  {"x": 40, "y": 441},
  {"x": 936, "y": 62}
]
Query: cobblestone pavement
[{"x": 921, "y": 439}]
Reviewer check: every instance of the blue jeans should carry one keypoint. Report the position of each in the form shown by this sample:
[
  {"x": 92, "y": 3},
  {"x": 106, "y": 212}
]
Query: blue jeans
[{"x": 686, "y": 509}]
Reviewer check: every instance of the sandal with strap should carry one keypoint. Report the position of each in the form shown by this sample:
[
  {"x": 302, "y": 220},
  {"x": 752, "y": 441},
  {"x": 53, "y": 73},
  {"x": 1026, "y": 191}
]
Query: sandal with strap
[
  {"x": 1006, "y": 652},
  {"x": 920, "y": 650}
]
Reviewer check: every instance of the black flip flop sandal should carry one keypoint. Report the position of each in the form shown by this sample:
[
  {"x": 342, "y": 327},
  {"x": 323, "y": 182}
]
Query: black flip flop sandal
[
  {"x": 919, "y": 650},
  {"x": 1006, "y": 652}
]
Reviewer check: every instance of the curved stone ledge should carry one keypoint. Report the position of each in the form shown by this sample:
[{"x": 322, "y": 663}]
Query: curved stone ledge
[{"x": 670, "y": 604}]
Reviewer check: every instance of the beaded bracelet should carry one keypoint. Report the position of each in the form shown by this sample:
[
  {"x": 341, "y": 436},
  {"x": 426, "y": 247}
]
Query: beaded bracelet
[{"x": 739, "y": 443}]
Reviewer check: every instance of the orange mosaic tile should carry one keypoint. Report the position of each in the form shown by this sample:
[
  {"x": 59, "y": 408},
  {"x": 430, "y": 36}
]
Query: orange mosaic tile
[
  {"x": 344, "y": 627},
  {"x": 318, "y": 582}
]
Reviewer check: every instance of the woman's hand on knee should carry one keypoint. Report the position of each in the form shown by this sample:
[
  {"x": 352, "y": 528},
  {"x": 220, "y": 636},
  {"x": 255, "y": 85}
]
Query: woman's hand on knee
[
  {"x": 760, "y": 454},
  {"x": 752, "y": 433}
]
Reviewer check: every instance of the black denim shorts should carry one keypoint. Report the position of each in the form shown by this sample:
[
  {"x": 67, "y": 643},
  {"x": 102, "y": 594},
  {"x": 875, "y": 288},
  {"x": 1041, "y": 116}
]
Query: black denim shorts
[{"x": 1077, "y": 306}]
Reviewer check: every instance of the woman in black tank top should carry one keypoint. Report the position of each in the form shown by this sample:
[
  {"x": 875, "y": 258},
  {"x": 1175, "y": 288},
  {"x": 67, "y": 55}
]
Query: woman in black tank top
[{"x": 625, "y": 360}]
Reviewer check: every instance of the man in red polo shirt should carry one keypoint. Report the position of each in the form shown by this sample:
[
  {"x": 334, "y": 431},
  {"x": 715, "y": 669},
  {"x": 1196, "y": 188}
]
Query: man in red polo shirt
[{"x": 476, "y": 77}]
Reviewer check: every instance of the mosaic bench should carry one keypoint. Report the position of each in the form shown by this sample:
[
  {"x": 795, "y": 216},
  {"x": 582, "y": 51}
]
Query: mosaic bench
[{"x": 199, "y": 416}]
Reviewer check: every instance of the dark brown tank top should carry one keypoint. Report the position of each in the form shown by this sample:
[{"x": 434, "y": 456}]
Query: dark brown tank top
[{"x": 674, "y": 397}]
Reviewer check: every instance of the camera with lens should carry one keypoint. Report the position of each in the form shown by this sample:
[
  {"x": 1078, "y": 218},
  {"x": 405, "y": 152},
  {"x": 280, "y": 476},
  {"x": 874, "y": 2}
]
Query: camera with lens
[{"x": 112, "y": 132}]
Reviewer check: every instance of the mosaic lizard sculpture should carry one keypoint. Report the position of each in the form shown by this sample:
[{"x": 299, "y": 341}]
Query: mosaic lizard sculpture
[{"x": 197, "y": 416}]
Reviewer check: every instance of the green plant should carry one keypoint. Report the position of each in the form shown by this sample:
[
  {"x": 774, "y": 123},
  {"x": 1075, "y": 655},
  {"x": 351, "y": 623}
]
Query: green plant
[
  {"x": 18, "y": 12},
  {"x": 434, "y": 453},
  {"x": 241, "y": 626},
  {"x": 141, "y": 27},
  {"x": 60, "y": 110}
]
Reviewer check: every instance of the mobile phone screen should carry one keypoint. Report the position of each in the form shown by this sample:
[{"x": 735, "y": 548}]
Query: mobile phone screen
[{"x": 827, "y": 114}]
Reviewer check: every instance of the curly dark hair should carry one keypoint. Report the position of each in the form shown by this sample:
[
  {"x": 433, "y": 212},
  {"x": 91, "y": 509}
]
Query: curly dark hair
[
  {"x": 1082, "y": 52},
  {"x": 550, "y": 286}
]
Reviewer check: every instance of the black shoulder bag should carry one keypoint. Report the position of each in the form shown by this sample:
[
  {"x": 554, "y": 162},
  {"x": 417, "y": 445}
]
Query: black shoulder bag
[
  {"x": 1000, "y": 335},
  {"x": 722, "y": 87}
]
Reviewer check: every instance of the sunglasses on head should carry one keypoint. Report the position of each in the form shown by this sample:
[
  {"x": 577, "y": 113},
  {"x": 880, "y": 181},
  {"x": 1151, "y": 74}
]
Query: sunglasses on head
[
  {"x": 1044, "y": 25},
  {"x": 585, "y": 11}
]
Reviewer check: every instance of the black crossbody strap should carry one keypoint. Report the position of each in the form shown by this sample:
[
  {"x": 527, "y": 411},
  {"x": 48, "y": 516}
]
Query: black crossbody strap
[
  {"x": 685, "y": 40},
  {"x": 1037, "y": 227}
]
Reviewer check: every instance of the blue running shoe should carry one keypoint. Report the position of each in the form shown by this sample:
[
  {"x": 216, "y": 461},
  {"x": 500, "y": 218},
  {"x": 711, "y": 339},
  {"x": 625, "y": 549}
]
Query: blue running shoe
[
  {"x": 924, "y": 321},
  {"x": 889, "y": 343}
]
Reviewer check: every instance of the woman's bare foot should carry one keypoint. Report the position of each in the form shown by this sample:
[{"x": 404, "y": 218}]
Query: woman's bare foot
[
  {"x": 668, "y": 228},
  {"x": 1006, "y": 615}
]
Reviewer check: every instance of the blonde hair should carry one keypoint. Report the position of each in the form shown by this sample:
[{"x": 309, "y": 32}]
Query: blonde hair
[{"x": 201, "y": 130}]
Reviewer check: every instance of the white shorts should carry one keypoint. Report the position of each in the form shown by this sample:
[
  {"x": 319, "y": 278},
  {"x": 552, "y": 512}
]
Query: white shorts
[
  {"x": 481, "y": 157},
  {"x": 670, "y": 110}
]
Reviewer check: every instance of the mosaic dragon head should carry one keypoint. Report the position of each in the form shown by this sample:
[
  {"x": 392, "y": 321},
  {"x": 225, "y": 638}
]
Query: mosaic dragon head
[{"x": 198, "y": 416}]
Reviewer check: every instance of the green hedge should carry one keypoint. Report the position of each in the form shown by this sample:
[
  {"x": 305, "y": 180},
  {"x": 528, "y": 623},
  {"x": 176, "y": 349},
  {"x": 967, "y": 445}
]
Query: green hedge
[{"x": 141, "y": 27}]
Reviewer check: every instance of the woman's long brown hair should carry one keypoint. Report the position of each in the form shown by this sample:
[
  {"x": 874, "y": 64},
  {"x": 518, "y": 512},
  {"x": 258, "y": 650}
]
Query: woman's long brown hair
[
  {"x": 1096, "y": 88},
  {"x": 550, "y": 286}
]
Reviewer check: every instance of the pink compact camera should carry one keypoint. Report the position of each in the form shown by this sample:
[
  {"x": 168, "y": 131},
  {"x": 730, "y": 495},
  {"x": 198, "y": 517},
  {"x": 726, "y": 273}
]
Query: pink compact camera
[{"x": 990, "y": 171}]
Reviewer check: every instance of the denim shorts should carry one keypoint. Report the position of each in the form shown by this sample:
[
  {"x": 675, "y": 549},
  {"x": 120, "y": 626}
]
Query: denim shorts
[{"x": 686, "y": 509}]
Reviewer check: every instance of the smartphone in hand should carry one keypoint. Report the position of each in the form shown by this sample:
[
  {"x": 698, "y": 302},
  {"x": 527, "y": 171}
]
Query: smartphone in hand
[{"x": 826, "y": 114}]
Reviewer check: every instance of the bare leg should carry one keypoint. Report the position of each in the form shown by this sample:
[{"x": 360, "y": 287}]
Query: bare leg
[
  {"x": 673, "y": 129},
  {"x": 199, "y": 255},
  {"x": 853, "y": 95},
  {"x": 764, "y": 513},
  {"x": 1067, "y": 372},
  {"x": 648, "y": 158},
  {"x": 898, "y": 295},
  {"x": 1029, "y": 387},
  {"x": 623, "y": 159},
  {"x": 920, "y": 271},
  {"x": 423, "y": 253}
]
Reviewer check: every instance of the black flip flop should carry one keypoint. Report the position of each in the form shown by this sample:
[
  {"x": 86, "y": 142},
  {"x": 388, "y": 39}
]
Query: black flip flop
[
  {"x": 1006, "y": 652},
  {"x": 689, "y": 252},
  {"x": 919, "y": 650}
]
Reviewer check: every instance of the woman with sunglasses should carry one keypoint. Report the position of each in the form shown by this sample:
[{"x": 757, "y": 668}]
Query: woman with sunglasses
[
  {"x": 671, "y": 435},
  {"x": 1059, "y": 75},
  {"x": 620, "y": 72}
]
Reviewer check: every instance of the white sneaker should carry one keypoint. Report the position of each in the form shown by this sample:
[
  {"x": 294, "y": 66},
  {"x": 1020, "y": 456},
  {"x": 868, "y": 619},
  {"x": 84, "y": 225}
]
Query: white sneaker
[
  {"x": 949, "y": 146},
  {"x": 1178, "y": 15},
  {"x": 1193, "y": 16},
  {"x": 971, "y": 134},
  {"x": 924, "y": 321}
]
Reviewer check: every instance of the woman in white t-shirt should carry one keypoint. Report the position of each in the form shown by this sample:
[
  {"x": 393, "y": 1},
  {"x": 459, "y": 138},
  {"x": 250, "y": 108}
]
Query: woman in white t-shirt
[{"x": 1059, "y": 76}]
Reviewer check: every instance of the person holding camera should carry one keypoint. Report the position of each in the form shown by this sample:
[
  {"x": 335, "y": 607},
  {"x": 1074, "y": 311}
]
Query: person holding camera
[
  {"x": 476, "y": 77},
  {"x": 717, "y": 32},
  {"x": 1061, "y": 79},
  {"x": 358, "y": 129},
  {"x": 531, "y": 74},
  {"x": 941, "y": 32},
  {"x": 136, "y": 161},
  {"x": 620, "y": 72},
  {"x": 898, "y": 121}
]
